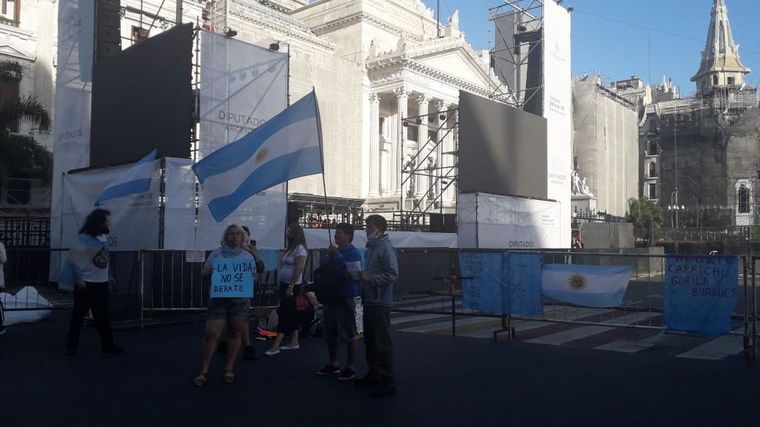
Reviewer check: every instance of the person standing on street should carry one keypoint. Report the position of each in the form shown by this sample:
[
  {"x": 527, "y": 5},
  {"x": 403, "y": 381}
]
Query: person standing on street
[
  {"x": 377, "y": 280},
  {"x": 87, "y": 271}
]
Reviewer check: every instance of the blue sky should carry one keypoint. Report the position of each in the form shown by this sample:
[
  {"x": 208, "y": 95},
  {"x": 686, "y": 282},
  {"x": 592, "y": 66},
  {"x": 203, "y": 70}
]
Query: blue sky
[{"x": 620, "y": 38}]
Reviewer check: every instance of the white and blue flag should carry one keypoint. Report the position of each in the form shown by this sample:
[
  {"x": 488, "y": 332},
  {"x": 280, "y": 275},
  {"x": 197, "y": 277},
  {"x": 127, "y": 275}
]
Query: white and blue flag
[
  {"x": 287, "y": 146},
  {"x": 135, "y": 180},
  {"x": 598, "y": 286}
]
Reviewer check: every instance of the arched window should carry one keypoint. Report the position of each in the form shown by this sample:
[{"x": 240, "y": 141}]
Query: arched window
[
  {"x": 653, "y": 126},
  {"x": 722, "y": 40},
  {"x": 743, "y": 197},
  {"x": 652, "y": 169}
]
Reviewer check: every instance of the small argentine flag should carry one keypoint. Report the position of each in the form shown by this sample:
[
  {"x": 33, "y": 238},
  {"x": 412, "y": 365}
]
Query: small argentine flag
[
  {"x": 586, "y": 285},
  {"x": 287, "y": 146},
  {"x": 135, "y": 180}
]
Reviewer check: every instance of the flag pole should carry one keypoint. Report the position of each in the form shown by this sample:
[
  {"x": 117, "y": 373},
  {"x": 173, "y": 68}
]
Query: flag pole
[{"x": 322, "y": 158}]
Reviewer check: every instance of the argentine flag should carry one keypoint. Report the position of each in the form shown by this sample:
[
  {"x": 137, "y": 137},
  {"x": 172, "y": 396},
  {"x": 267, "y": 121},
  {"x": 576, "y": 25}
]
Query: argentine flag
[
  {"x": 135, "y": 180},
  {"x": 287, "y": 146},
  {"x": 586, "y": 285}
]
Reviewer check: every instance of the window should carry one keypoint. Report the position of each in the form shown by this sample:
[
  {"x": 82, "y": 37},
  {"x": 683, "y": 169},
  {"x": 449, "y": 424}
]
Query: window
[
  {"x": 743, "y": 196},
  {"x": 653, "y": 126},
  {"x": 715, "y": 80},
  {"x": 10, "y": 13},
  {"x": 653, "y": 149},
  {"x": 139, "y": 34},
  {"x": 731, "y": 81},
  {"x": 412, "y": 133},
  {"x": 652, "y": 169},
  {"x": 652, "y": 191},
  {"x": 19, "y": 189},
  {"x": 9, "y": 95}
]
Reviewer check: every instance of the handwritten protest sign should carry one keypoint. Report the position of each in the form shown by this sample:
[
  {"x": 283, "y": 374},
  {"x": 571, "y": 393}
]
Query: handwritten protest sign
[
  {"x": 232, "y": 278},
  {"x": 484, "y": 291},
  {"x": 524, "y": 281},
  {"x": 701, "y": 293}
]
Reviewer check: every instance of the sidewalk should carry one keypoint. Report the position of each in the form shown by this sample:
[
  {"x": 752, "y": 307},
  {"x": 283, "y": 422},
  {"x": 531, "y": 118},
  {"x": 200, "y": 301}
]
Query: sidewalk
[{"x": 441, "y": 381}]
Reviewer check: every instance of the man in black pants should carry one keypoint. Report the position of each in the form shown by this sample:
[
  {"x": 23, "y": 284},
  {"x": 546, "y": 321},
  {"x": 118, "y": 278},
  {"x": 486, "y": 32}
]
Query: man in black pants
[
  {"x": 377, "y": 280},
  {"x": 87, "y": 267}
]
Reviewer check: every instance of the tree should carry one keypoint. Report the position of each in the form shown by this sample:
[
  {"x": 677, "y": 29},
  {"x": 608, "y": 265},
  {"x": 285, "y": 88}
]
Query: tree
[
  {"x": 646, "y": 218},
  {"x": 21, "y": 155}
]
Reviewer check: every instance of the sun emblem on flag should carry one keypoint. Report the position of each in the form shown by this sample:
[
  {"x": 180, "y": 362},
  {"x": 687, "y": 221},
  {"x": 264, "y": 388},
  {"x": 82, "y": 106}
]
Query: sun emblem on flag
[
  {"x": 577, "y": 281},
  {"x": 261, "y": 155}
]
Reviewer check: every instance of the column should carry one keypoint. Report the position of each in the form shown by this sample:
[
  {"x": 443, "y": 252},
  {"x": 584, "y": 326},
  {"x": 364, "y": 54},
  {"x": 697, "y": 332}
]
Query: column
[
  {"x": 374, "y": 146},
  {"x": 448, "y": 159},
  {"x": 443, "y": 160},
  {"x": 422, "y": 138},
  {"x": 402, "y": 105}
]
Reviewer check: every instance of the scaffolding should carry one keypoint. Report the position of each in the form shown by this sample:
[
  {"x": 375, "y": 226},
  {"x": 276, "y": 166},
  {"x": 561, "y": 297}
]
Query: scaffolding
[
  {"x": 429, "y": 172},
  {"x": 517, "y": 55}
]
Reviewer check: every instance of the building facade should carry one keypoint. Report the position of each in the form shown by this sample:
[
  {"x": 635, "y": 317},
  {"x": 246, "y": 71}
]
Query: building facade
[
  {"x": 700, "y": 157},
  {"x": 605, "y": 148}
]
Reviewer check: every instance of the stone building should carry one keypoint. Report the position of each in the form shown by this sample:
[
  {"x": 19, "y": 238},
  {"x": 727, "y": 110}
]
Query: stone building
[
  {"x": 605, "y": 148},
  {"x": 27, "y": 34},
  {"x": 700, "y": 155}
]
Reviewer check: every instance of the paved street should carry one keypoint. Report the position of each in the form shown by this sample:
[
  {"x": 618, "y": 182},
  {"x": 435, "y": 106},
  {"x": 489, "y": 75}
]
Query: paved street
[{"x": 442, "y": 380}]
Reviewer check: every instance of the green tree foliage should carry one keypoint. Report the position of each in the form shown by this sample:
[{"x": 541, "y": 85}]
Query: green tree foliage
[
  {"x": 20, "y": 154},
  {"x": 645, "y": 216}
]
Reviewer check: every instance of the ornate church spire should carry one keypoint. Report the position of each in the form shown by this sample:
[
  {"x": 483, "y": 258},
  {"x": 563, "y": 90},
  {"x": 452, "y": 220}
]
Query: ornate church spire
[{"x": 721, "y": 65}]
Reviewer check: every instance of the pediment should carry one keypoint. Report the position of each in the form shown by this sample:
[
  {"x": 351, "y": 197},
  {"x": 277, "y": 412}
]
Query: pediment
[
  {"x": 457, "y": 59},
  {"x": 13, "y": 52}
]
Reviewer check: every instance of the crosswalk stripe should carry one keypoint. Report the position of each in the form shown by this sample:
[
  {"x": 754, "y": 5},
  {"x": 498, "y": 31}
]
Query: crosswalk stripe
[
  {"x": 716, "y": 349},
  {"x": 564, "y": 337},
  {"x": 415, "y": 318}
]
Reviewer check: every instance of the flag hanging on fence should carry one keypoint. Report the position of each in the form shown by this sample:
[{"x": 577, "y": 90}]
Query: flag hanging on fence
[
  {"x": 134, "y": 180},
  {"x": 287, "y": 146},
  {"x": 586, "y": 285}
]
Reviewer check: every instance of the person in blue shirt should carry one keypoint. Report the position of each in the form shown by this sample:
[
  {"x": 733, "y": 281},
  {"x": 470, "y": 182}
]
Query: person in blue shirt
[{"x": 339, "y": 323}]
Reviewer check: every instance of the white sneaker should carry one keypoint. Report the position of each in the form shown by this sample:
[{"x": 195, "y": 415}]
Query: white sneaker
[
  {"x": 290, "y": 347},
  {"x": 272, "y": 353}
]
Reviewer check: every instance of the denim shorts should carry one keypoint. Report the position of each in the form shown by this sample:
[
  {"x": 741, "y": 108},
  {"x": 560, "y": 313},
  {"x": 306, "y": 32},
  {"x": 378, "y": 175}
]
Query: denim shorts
[{"x": 227, "y": 308}]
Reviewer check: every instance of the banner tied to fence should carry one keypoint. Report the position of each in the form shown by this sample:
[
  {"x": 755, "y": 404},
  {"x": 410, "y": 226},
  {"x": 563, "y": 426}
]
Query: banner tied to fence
[
  {"x": 701, "y": 293},
  {"x": 232, "y": 278}
]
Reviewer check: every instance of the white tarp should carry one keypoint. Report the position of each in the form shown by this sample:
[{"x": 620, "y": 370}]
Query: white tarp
[
  {"x": 558, "y": 111},
  {"x": 73, "y": 94},
  {"x": 242, "y": 86},
  {"x": 31, "y": 304},
  {"x": 318, "y": 239},
  {"x": 134, "y": 219},
  {"x": 503, "y": 222}
]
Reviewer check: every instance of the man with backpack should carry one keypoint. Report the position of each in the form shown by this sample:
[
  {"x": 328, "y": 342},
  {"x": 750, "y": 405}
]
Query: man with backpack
[{"x": 339, "y": 288}]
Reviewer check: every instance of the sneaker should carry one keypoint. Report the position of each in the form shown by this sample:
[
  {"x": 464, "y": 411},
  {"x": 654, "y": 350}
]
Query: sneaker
[
  {"x": 249, "y": 353},
  {"x": 113, "y": 349},
  {"x": 272, "y": 352},
  {"x": 290, "y": 347},
  {"x": 385, "y": 390},
  {"x": 329, "y": 370},
  {"x": 347, "y": 374},
  {"x": 366, "y": 381}
]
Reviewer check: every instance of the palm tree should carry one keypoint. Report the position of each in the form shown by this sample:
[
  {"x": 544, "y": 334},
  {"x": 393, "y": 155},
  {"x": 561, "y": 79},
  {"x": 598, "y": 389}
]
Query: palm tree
[
  {"x": 646, "y": 217},
  {"x": 20, "y": 154}
]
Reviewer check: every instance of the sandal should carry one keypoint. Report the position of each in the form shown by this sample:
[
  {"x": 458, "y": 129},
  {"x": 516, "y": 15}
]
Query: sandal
[
  {"x": 200, "y": 380},
  {"x": 229, "y": 377}
]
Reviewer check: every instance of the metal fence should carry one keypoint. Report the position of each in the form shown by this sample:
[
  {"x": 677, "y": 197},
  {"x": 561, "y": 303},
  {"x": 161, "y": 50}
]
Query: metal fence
[{"x": 430, "y": 283}]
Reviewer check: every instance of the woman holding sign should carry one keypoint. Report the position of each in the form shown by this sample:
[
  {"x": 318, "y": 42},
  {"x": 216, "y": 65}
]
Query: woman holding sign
[
  {"x": 231, "y": 271},
  {"x": 290, "y": 276}
]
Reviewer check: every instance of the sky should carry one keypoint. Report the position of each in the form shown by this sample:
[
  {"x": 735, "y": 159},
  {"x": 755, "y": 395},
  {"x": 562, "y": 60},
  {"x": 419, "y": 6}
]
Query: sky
[{"x": 621, "y": 38}]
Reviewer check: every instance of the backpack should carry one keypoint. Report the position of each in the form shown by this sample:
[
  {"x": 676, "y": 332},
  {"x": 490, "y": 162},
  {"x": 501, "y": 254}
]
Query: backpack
[{"x": 329, "y": 280}]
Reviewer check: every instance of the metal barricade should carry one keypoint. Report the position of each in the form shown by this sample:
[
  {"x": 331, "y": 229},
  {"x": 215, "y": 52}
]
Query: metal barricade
[{"x": 429, "y": 284}]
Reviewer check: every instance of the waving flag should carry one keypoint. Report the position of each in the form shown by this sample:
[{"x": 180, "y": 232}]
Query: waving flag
[
  {"x": 287, "y": 146},
  {"x": 586, "y": 285},
  {"x": 135, "y": 180}
]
